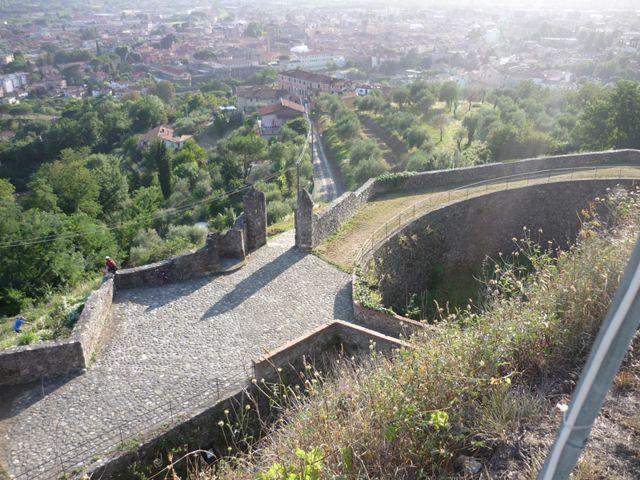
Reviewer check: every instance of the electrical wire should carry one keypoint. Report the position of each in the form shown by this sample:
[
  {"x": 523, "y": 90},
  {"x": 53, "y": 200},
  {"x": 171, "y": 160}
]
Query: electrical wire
[{"x": 173, "y": 210}]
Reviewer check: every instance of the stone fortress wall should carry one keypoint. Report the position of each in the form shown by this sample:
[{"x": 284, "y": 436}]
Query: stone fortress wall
[
  {"x": 47, "y": 359},
  {"x": 315, "y": 228},
  {"x": 454, "y": 240}
]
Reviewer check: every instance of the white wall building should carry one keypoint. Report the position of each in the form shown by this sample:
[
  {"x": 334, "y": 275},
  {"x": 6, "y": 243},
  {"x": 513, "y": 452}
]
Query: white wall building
[
  {"x": 13, "y": 81},
  {"x": 313, "y": 61}
]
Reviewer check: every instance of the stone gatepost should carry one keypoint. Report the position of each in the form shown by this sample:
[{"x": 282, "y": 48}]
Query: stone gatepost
[
  {"x": 304, "y": 221},
  {"x": 255, "y": 213}
]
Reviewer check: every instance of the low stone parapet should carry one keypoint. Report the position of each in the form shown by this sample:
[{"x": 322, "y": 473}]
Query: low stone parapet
[
  {"x": 320, "y": 226},
  {"x": 336, "y": 336},
  {"x": 30, "y": 363}
]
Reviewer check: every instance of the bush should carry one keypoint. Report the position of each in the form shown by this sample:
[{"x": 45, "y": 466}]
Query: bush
[
  {"x": 419, "y": 162},
  {"x": 149, "y": 247},
  {"x": 277, "y": 210},
  {"x": 12, "y": 301},
  {"x": 369, "y": 168}
]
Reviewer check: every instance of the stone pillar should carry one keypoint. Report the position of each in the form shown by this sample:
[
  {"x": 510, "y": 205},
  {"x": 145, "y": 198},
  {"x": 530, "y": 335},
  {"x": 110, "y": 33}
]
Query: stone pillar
[
  {"x": 304, "y": 221},
  {"x": 255, "y": 213}
]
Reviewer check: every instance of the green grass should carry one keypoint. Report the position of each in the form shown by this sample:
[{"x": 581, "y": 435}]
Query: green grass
[
  {"x": 284, "y": 225},
  {"x": 473, "y": 384},
  {"x": 52, "y": 318}
]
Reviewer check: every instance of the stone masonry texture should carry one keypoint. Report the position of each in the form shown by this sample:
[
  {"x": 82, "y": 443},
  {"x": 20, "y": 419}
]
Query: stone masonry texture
[
  {"x": 455, "y": 240},
  {"x": 255, "y": 211},
  {"x": 47, "y": 359},
  {"x": 170, "y": 343},
  {"x": 341, "y": 210}
]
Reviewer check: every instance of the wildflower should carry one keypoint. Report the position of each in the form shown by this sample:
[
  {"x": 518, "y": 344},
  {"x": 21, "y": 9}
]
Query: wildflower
[
  {"x": 226, "y": 412},
  {"x": 563, "y": 407},
  {"x": 221, "y": 424},
  {"x": 247, "y": 407},
  {"x": 254, "y": 381}
]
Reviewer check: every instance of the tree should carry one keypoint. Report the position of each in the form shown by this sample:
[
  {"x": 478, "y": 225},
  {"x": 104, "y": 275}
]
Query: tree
[
  {"x": 159, "y": 157},
  {"x": 440, "y": 123},
  {"x": 167, "y": 41},
  {"x": 7, "y": 191},
  {"x": 400, "y": 96},
  {"x": 165, "y": 90},
  {"x": 470, "y": 122},
  {"x": 188, "y": 161},
  {"x": 417, "y": 136},
  {"x": 425, "y": 102},
  {"x": 250, "y": 147},
  {"x": 298, "y": 125},
  {"x": 73, "y": 184},
  {"x": 206, "y": 54},
  {"x": 254, "y": 29},
  {"x": 625, "y": 115},
  {"x": 449, "y": 93},
  {"x": 146, "y": 113},
  {"x": 459, "y": 137},
  {"x": 112, "y": 183}
]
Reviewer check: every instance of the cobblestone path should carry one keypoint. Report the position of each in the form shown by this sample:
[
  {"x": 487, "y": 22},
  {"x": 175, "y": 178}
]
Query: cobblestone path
[{"x": 169, "y": 344}]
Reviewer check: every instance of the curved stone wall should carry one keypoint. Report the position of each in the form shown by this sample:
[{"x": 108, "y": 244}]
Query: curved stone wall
[
  {"x": 316, "y": 228},
  {"x": 454, "y": 240}
]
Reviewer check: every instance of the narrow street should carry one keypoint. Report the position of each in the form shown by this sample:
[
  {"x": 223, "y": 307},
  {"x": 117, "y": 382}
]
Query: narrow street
[{"x": 325, "y": 187}]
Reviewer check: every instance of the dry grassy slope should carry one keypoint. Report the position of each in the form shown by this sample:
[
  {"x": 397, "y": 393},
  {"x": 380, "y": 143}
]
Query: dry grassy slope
[
  {"x": 342, "y": 247},
  {"x": 613, "y": 451}
]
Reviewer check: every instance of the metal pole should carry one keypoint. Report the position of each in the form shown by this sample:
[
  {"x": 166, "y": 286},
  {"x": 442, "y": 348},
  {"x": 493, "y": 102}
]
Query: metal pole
[{"x": 608, "y": 352}]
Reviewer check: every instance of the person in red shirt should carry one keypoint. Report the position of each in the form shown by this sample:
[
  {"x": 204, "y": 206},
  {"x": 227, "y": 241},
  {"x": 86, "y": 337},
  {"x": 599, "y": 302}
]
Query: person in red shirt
[{"x": 112, "y": 267}]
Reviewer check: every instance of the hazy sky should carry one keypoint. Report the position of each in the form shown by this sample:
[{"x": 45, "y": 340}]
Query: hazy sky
[{"x": 560, "y": 4}]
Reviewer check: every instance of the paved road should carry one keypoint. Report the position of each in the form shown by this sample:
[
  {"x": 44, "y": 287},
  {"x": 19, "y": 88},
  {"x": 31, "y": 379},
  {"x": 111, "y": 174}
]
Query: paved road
[
  {"x": 325, "y": 187},
  {"x": 174, "y": 342}
]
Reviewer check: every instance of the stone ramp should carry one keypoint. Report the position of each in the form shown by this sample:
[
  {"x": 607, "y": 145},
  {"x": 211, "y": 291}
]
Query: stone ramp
[{"x": 169, "y": 344}]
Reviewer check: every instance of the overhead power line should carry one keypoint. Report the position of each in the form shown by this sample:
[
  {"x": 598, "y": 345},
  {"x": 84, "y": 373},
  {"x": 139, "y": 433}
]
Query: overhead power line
[{"x": 173, "y": 210}]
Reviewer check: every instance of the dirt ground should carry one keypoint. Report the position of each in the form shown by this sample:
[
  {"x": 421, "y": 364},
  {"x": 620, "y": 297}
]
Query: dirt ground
[{"x": 613, "y": 450}]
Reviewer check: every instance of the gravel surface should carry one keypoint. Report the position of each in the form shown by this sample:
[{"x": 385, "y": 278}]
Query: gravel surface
[{"x": 169, "y": 344}]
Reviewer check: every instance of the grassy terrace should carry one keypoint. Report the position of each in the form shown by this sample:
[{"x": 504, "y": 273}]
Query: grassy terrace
[
  {"x": 342, "y": 248},
  {"x": 52, "y": 318}
]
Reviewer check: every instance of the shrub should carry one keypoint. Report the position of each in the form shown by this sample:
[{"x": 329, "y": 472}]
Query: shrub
[
  {"x": 149, "y": 247},
  {"x": 277, "y": 210},
  {"x": 369, "y": 168},
  {"x": 28, "y": 337}
]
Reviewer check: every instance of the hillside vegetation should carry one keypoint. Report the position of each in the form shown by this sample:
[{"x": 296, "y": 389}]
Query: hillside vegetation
[{"x": 474, "y": 387}]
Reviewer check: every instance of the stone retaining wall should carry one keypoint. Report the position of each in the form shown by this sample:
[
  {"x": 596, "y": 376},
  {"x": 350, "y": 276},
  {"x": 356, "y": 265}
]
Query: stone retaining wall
[
  {"x": 30, "y": 363},
  {"x": 463, "y": 176},
  {"x": 248, "y": 234},
  {"x": 455, "y": 239},
  {"x": 321, "y": 225},
  {"x": 333, "y": 336},
  {"x": 179, "y": 268},
  {"x": 383, "y": 322},
  {"x": 340, "y": 211}
]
